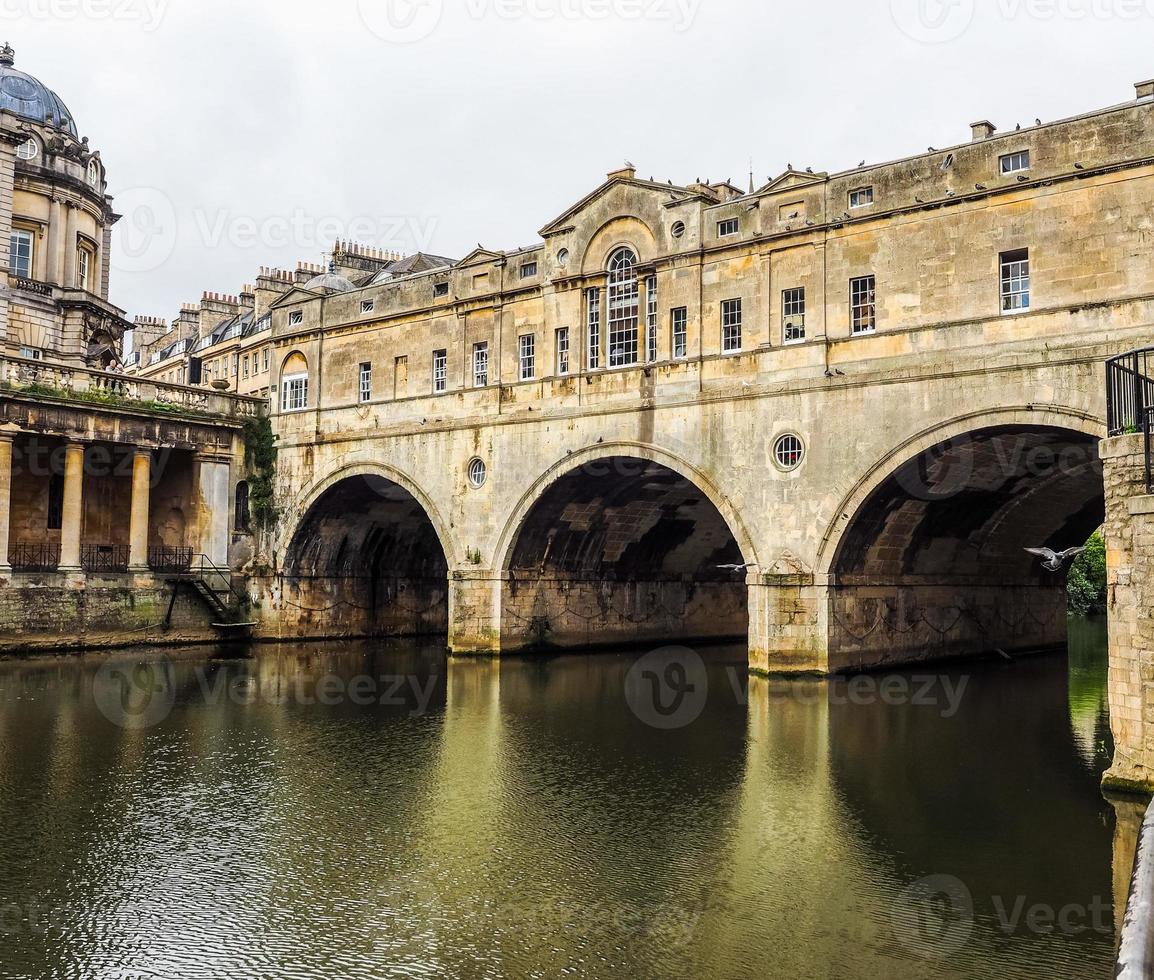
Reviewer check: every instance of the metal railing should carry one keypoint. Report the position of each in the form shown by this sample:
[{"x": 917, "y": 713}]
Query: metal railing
[
  {"x": 1136, "y": 951},
  {"x": 37, "y": 557},
  {"x": 104, "y": 557},
  {"x": 1130, "y": 400},
  {"x": 171, "y": 561}
]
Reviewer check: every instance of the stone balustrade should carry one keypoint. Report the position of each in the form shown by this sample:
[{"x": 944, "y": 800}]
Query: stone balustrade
[{"x": 18, "y": 374}]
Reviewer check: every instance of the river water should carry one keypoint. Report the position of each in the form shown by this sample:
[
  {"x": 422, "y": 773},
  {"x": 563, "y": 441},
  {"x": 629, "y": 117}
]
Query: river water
[{"x": 372, "y": 810}]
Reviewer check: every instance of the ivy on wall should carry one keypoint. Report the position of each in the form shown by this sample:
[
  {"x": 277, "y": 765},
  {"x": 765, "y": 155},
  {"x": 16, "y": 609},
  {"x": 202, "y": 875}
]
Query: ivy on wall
[{"x": 260, "y": 459}]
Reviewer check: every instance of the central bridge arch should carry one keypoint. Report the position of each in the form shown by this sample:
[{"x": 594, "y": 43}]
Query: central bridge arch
[{"x": 622, "y": 543}]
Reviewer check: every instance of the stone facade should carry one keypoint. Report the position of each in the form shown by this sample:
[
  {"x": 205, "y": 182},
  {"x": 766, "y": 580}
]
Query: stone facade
[
  {"x": 1130, "y": 560},
  {"x": 926, "y": 336}
]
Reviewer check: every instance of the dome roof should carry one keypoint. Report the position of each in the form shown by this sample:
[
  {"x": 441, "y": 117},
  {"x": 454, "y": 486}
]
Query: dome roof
[
  {"x": 26, "y": 96},
  {"x": 331, "y": 282}
]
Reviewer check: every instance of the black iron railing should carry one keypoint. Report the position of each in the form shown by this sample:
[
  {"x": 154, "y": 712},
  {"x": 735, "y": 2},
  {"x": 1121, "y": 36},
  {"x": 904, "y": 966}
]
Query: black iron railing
[
  {"x": 1130, "y": 400},
  {"x": 104, "y": 557},
  {"x": 37, "y": 557},
  {"x": 170, "y": 561}
]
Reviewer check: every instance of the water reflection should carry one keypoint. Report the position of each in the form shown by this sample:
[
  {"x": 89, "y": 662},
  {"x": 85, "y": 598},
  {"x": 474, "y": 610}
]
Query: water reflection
[{"x": 354, "y": 811}]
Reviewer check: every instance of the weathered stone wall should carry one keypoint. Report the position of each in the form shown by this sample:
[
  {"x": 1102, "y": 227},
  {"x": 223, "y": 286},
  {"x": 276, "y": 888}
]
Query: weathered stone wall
[
  {"x": 1130, "y": 575},
  {"x": 44, "y": 613},
  {"x": 565, "y": 612}
]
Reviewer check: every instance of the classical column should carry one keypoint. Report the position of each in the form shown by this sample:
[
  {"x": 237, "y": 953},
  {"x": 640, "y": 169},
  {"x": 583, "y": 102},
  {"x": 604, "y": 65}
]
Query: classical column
[
  {"x": 55, "y": 268},
  {"x": 69, "y": 248},
  {"x": 213, "y": 516},
  {"x": 138, "y": 522},
  {"x": 5, "y": 502},
  {"x": 73, "y": 519}
]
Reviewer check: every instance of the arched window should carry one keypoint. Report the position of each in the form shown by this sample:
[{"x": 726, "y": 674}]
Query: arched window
[
  {"x": 294, "y": 384},
  {"x": 623, "y": 308},
  {"x": 28, "y": 150},
  {"x": 94, "y": 173},
  {"x": 242, "y": 519}
]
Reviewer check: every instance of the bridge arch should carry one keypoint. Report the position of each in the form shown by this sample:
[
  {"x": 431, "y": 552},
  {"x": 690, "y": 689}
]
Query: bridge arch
[
  {"x": 926, "y": 554},
  {"x": 622, "y": 543},
  {"x": 369, "y": 554}
]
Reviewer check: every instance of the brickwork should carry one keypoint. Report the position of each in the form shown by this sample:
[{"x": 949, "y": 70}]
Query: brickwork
[{"x": 1130, "y": 571}]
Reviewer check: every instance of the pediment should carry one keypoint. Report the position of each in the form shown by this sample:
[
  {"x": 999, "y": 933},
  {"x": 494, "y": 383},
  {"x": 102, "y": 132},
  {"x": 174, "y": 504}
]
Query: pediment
[
  {"x": 298, "y": 294},
  {"x": 662, "y": 194},
  {"x": 791, "y": 180}
]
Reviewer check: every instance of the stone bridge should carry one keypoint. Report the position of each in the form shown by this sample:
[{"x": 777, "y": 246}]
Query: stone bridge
[{"x": 697, "y": 412}]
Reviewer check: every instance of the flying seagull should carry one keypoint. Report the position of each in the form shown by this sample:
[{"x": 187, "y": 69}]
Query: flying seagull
[
  {"x": 737, "y": 568},
  {"x": 1055, "y": 561}
]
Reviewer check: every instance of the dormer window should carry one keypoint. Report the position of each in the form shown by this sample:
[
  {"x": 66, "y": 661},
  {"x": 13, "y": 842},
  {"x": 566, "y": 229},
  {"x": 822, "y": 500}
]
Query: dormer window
[
  {"x": 29, "y": 150},
  {"x": 861, "y": 197},
  {"x": 296, "y": 318},
  {"x": 728, "y": 228},
  {"x": 94, "y": 173}
]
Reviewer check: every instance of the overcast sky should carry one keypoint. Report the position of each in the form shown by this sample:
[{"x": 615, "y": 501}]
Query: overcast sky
[{"x": 243, "y": 133}]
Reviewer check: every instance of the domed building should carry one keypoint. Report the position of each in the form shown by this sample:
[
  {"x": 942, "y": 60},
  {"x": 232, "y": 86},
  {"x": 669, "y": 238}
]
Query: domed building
[{"x": 59, "y": 220}]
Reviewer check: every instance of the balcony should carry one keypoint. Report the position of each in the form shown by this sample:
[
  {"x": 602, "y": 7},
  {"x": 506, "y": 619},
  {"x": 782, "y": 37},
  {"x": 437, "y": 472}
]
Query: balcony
[{"x": 42, "y": 380}]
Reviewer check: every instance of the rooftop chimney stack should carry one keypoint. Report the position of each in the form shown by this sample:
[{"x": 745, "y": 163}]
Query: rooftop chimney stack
[
  {"x": 983, "y": 130},
  {"x": 1145, "y": 90}
]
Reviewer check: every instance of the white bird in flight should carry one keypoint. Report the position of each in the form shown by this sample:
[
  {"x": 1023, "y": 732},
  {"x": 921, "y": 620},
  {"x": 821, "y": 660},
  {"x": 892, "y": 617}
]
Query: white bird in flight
[
  {"x": 737, "y": 568},
  {"x": 1055, "y": 561}
]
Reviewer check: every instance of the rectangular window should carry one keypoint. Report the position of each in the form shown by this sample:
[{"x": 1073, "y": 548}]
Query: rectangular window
[
  {"x": 266, "y": 358},
  {"x": 480, "y": 365},
  {"x": 401, "y": 376},
  {"x": 244, "y": 363},
  {"x": 861, "y": 197},
  {"x": 680, "y": 331},
  {"x": 728, "y": 227},
  {"x": 368, "y": 305},
  {"x": 863, "y": 304},
  {"x": 731, "y": 325},
  {"x": 20, "y": 255},
  {"x": 527, "y": 355},
  {"x": 294, "y": 393},
  {"x": 440, "y": 371},
  {"x": 651, "y": 319},
  {"x": 83, "y": 269},
  {"x": 366, "y": 382},
  {"x": 793, "y": 315},
  {"x": 528, "y": 270},
  {"x": 1015, "y": 280},
  {"x": 235, "y": 365},
  {"x": 296, "y": 318},
  {"x": 563, "y": 350},
  {"x": 32, "y": 353},
  {"x": 593, "y": 326},
  {"x": 1013, "y": 163},
  {"x": 440, "y": 290}
]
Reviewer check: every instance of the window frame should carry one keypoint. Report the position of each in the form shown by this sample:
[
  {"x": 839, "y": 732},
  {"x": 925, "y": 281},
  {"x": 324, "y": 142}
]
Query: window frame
[
  {"x": 1007, "y": 161},
  {"x": 593, "y": 328},
  {"x": 296, "y": 318},
  {"x": 364, "y": 382},
  {"x": 368, "y": 306},
  {"x": 623, "y": 293},
  {"x": 793, "y": 309},
  {"x": 650, "y": 319},
  {"x": 529, "y": 269},
  {"x": 481, "y": 364},
  {"x": 866, "y": 325},
  {"x": 562, "y": 351},
  {"x": 440, "y": 371},
  {"x": 731, "y": 325},
  {"x": 725, "y": 223},
  {"x": 440, "y": 290},
  {"x": 527, "y": 356},
  {"x": 1015, "y": 281},
  {"x": 679, "y": 325},
  {"x": 28, "y": 158},
  {"x": 22, "y": 234},
  {"x": 289, "y": 383},
  {"x": 85, "y": 260},
  {"x": 855, "y": 193}
]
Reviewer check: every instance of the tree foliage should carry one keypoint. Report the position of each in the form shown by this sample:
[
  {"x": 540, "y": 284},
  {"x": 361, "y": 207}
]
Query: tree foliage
[
  {"x": 260, "y": 458},
  {"x": 1087, "y": 582}
]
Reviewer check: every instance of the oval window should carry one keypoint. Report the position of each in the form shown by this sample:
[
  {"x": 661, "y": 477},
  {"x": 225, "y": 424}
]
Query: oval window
[
  {"x": 789, "y": 452},
  {"x": 477, "y": 473}
]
